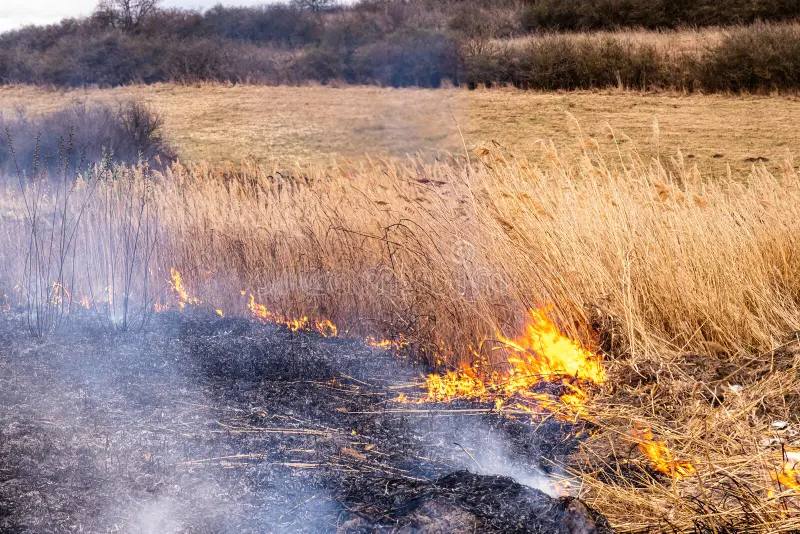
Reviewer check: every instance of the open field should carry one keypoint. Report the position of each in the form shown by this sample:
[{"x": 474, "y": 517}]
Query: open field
[{"x": 285, "y": 125}]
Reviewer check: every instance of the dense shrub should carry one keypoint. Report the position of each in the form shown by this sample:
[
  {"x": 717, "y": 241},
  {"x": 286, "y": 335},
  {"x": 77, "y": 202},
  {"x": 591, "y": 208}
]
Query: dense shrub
[
  {"x": 275, "y": 24},
  {"x": 349, "y": 30},
  {"x": 197, "y": 59},
  {"x": 605, "y": 14},
  {"x": 321, "y": 64},
  {"x": 762, "y": 59},
  {"x": 415, "y": 42},
  {"x": 486, "y": 63},
  {"x": 557, "y": 62},
  {"x": 421, "y": 58},
  {"x": 128, "y": 133}
]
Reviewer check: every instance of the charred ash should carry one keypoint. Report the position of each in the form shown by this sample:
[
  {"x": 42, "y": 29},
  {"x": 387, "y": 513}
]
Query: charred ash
[{"x": 203, "y": 424}]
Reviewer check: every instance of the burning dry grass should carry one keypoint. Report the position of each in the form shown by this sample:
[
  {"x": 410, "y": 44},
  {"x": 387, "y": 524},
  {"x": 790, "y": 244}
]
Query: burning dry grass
[{"x": 683, "y": 291}]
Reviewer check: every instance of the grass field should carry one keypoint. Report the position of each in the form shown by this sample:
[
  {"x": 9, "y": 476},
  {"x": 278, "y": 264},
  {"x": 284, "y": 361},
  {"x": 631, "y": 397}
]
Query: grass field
[
  {"x": 284, "y": 125},
  {"x": 686, "y": 281}
]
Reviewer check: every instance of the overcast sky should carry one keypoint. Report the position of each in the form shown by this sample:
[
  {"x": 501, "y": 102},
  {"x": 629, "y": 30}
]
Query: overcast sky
[{"x": 16, "y": 13}]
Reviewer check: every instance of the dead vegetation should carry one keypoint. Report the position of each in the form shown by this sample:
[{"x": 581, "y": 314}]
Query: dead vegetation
[
  {"x": 688, "y": 287},
  {"x": 318, "y": 125},
  {"x": 203, "y": 424},
  {"x": 417, "y": 43}
]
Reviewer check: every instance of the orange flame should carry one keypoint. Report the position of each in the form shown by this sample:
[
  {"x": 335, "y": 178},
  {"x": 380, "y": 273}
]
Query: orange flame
[
  {"x": 542, "y": 354},
  {"x": 324, "y": 327},
  {"x": 180, "y": 290},
  {"x": 661, "y": 456},
  {"x": 387, "y": 344},
  {"x": 262, "y": 312},
  {"x": 788, "y": 476}
]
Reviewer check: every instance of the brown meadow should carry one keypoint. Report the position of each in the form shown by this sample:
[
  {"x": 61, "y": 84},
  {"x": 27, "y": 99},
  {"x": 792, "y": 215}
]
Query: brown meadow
[{"x": 283, "y": 126}]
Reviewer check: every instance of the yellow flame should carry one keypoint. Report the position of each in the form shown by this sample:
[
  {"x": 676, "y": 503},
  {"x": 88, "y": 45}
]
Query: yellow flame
[
  {"x": 544, "y": 353},
  {"x": 541, "y": 354},
  {"x": 323, "y": 327},
  {"x": 463, "y": 383},
  {"x": 387, "y": 344},
  {"x": 567, "y": 406},
  {"x": 180, "y": 290},
  {"x": 219, "y": 312},
  {"x": 788, "y": 476},
  {"x": 326, "y": 328},
  {"x": 661, "y": 456}
]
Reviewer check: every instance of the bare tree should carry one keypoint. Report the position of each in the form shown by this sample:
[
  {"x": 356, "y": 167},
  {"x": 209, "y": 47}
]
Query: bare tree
[
  {"x": 314, "y": 5},
  {"x": 126, "y": 14}
]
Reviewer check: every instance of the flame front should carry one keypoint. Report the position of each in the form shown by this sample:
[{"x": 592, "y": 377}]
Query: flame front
[
  {"x": 541, "y": 354},
  {"x": 324, "y": 327},
  {"x": 464, "y": 383},
  {"x": 260, "y": 311},
  {"x": 387, "y": 344},
  {"x": 661, "y": 456},
  {"x": 544, "y": 353},
  {"x": 180, "y": 290}
]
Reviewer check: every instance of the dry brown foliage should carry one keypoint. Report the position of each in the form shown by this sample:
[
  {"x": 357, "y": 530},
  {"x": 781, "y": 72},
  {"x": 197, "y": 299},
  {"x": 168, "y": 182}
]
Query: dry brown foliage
[{"x": 688, "y": 286}]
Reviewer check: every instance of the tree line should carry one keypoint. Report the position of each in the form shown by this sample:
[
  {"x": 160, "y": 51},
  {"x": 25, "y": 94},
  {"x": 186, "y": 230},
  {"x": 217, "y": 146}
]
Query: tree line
[{"x": 406, "y": 43}]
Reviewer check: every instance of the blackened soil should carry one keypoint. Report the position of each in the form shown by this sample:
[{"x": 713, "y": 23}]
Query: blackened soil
[{"x": 224, "y": 425}]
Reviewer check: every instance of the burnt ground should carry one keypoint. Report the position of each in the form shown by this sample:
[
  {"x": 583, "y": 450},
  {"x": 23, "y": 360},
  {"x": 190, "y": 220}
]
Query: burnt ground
[{"x": 225, "y": 425}]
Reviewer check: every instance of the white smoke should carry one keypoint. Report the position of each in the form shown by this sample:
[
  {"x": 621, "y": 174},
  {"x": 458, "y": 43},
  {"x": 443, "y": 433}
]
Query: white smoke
[
  {"x": 156, "y": 517},
  {"x": 469, "y": 444}
]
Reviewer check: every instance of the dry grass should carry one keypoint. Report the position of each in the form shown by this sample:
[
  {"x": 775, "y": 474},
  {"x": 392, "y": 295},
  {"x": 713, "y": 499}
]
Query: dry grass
[
  {"x": 691, "y": 41},
  {"x": 683, "y": 272},
  {"x": 689, "y": 286},
  {"x": 286, "y": 125}
]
